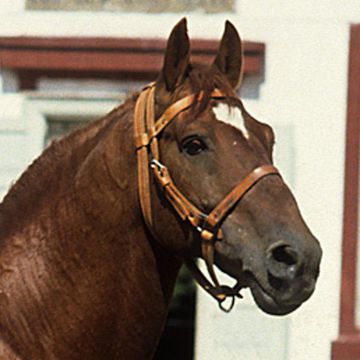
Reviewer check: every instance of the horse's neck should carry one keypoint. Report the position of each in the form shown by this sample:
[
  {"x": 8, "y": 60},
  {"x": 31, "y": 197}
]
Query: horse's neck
[
  {"x": 106, "y": 191},
  {"x": 84, "y": 273}
]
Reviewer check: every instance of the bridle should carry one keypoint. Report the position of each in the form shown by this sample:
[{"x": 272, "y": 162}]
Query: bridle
[{"x": 147, "y": 131}]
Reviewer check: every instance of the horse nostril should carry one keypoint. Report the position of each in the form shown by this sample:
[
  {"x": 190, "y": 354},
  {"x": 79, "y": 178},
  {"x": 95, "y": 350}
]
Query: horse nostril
[
  {"x": 284, "y": 254},
  {"x": 283, "y": 261}
]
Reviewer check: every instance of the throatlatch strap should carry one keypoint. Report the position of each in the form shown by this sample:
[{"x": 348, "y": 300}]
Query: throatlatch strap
[
  {"x": 150, "y": 122},
  {"x": 143, "y": 159}
]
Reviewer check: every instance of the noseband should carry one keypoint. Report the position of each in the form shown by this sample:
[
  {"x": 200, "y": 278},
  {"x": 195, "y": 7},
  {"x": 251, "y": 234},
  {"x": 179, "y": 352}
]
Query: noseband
[{"x": 147, "y": 131}]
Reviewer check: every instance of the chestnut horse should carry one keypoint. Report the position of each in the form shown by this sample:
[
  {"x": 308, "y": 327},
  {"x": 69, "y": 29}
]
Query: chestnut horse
[{"x": 94, "y": 232}]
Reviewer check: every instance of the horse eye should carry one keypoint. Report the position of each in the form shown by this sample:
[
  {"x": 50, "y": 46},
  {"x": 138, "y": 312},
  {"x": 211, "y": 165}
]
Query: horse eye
[{"x": 193, "y": 145}]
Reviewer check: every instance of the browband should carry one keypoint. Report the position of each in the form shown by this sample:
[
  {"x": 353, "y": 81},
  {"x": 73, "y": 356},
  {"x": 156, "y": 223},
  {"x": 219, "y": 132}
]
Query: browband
[{"x": 146, "y": 130}]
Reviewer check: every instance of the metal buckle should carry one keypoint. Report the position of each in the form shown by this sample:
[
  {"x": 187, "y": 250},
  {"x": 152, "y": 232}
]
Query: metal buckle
[
  {"x": 200, "y": 227},
  {"x": 158, "y": 167},
  {"x": 157, "y": 164}
]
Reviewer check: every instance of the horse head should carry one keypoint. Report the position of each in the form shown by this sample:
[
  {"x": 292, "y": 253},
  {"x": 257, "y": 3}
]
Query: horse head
[{"x": 217, "y": 153}]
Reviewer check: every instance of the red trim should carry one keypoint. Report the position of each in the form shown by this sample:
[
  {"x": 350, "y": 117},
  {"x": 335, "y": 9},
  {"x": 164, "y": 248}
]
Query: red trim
[
  {"x": 347, "y": 346},
  {"x": 197, "y": 45},
  {"x": 95, "y": 56}
]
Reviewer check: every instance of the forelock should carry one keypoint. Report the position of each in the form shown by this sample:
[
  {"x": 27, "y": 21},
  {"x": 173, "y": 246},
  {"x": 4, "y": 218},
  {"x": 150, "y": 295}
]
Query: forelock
[{"x": 205, "y": 79}]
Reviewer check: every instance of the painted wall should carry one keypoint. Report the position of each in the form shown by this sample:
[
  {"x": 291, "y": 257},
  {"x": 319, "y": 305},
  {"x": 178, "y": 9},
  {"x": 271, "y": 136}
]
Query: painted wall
[{"x": 303, "y": 96}]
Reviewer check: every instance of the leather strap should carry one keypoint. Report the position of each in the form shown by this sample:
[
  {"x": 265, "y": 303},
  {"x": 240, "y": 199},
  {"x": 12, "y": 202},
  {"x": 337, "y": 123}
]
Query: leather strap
[
  {"x": 185, "y": 209},
  {"x": 217, "y": 215},
  {"x": 143, "y": 160},
  {"x": 221, "y": 210},
  {"x": 219, "y": 293},
  {"x": 145, "y": 138},
  {"x": 146, "y": 130}
]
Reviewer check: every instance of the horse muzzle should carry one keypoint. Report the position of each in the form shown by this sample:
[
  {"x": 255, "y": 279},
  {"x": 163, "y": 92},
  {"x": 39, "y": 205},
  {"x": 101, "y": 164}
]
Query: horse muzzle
[
  {"x": 281, "y": 277},
  {"x": 287, "y": 278}
]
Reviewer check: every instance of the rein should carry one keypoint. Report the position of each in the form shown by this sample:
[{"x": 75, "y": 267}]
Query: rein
[{"x": 147, "y": 131}]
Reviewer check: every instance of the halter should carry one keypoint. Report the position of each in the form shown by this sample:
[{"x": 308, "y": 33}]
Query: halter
[{"x": 147, "y": 131}]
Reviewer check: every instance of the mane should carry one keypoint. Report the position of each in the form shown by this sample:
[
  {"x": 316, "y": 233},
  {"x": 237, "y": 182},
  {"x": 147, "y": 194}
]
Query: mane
[{"x": 52, "y": 170}]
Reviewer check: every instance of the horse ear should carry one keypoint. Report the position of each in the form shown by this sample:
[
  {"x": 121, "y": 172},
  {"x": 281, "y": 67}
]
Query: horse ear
[
  {"x": 177, "y": 56},
  {"x": 229, "y": 58}
]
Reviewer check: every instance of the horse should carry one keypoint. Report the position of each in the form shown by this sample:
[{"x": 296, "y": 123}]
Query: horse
[{"x": 94, "y": 232}]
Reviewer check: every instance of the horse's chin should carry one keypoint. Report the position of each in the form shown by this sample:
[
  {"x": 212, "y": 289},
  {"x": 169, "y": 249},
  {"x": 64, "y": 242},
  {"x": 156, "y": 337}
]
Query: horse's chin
[{"x": 267, "y": 303}]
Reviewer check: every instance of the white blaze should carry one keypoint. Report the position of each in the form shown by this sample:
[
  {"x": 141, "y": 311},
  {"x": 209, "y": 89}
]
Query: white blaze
[{"x": 231, "y": 115}]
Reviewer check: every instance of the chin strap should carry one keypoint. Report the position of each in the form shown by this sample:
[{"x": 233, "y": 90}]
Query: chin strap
[{"x": 208, "y": 225}]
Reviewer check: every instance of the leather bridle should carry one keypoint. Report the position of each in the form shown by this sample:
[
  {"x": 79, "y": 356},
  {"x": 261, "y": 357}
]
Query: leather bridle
[{"x": 147, "y": 131}]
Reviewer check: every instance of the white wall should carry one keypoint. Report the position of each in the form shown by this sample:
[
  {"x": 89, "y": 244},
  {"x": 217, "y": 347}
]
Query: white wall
[
  {"x": 304, "y": 98},
  {"x": 22, "y": 133}
]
